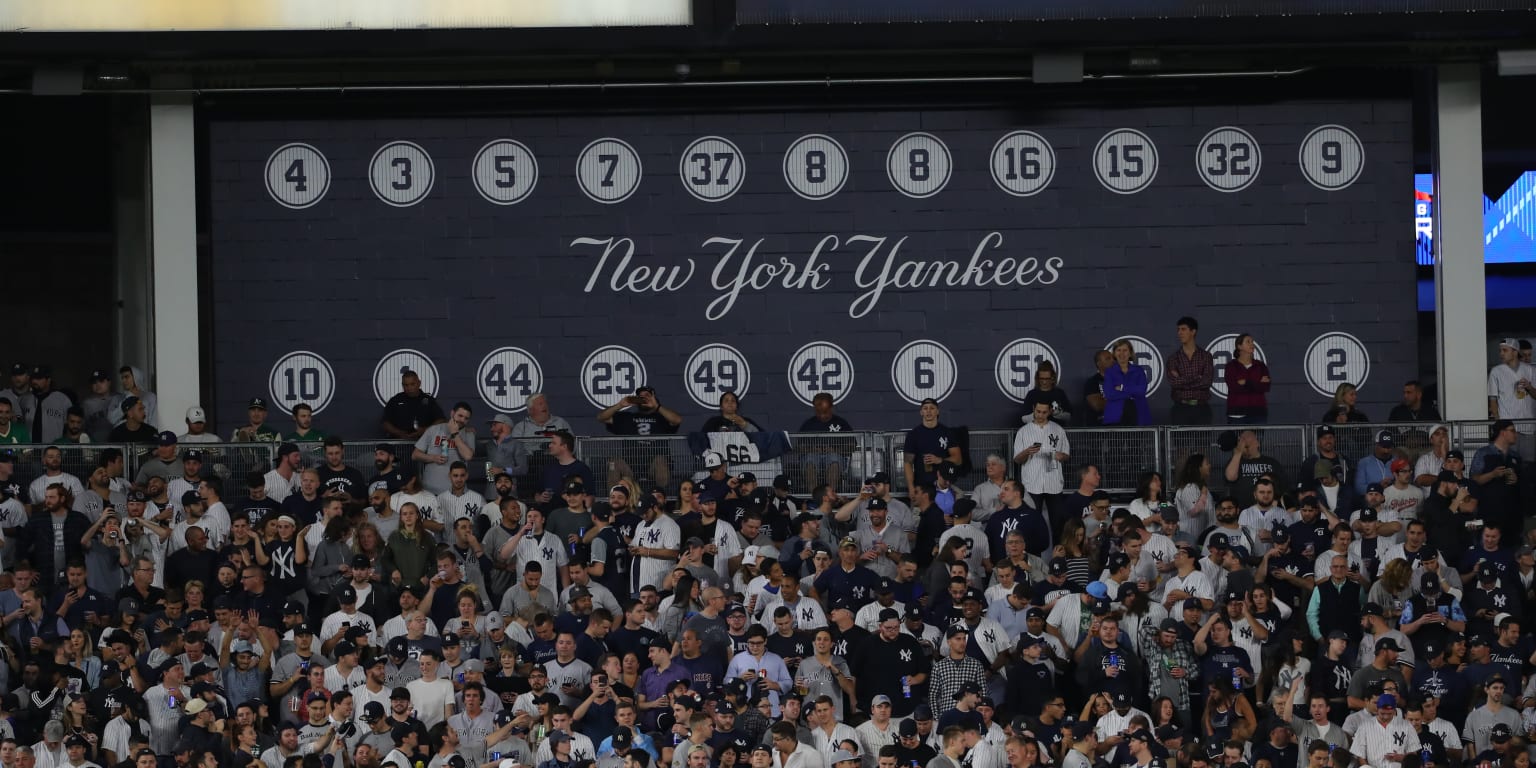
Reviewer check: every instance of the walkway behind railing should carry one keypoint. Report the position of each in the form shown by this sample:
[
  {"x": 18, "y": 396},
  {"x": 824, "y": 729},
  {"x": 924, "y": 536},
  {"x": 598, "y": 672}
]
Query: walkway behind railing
[{"x": 1122, "y": 454}]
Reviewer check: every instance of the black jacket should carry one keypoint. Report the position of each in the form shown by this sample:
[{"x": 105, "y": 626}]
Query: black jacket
[{"x": 36, "y": 543}]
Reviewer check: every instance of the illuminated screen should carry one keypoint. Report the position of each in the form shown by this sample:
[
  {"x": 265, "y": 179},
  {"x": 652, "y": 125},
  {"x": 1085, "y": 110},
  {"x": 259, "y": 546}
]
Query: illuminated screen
[{"x": 1509, "y": 223}]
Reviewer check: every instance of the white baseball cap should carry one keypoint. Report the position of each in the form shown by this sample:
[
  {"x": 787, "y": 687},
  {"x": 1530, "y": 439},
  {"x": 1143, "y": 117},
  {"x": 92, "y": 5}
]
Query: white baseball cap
[
  {"x": 195, "y": 415},
  {"x": 1511, "y": 343},
  {"x": 749, "y": 555}
]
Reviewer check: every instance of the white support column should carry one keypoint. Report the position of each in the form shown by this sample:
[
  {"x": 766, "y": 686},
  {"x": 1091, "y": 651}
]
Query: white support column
[
  {"x": 173, "y": 253},
  {"x": 1461, "y": 322}
]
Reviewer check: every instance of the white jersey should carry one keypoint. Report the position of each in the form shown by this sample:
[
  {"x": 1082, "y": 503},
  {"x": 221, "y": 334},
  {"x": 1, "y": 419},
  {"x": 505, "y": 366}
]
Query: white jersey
[
  {"x": 279, "y": 487},
  {"x": 806, "y": 614},
  {"x": 1513, "y": 403},
  {"x": 1374, "y": 741},
  {"x": 425, "y": 503},
  {"x": 1256, "y": 520},
  {"x": 1195, "y": 584},
  {"x": 450, "y": 508},
  {"x": 661, "y": 533},
  {"x": 39, "y": 486},
  {"x": 1041, "y": 473},
  {"x": 1404, "y": 502}
]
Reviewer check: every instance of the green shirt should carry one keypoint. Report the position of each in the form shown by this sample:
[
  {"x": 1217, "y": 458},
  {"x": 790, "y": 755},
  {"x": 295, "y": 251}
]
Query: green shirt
[
  {"x": 17, "y": 435},
  {"x": 313, "y": 436}
]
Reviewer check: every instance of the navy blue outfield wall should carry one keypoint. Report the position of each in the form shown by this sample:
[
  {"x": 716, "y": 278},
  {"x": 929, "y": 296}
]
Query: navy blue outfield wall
[{"x": 881, "y": 256}]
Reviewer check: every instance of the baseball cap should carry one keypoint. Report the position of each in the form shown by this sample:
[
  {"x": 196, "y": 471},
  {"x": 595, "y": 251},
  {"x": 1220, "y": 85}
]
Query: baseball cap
[
  {"x": 195, "y": 414},
  {"x": 286, "y": 448},
  {"x": 373, "y": 711},
  {"x": 558, "y": 737},
  {"x": 1384, "y": 438},
  {"x": 1398, "y": 465},
  {"x": 1455, "y": 453},
  {"x": 303, "y": 629},
  {"x": 1388, "y": 644},
  {"x": 1097, "y": 589},
  {"x": 1217, "y": 541},
  {"x": 166, "y": 438},
  {"x": 907, "y": 729},
  {"x": 256, "y": 402},
  {"x": 878, "y": 503},
  {"x": 1122, "y": 699},
  {"x": 1373, "y": 488},
  {"x": 1446, "y": 476},
  {"x": 190, "y": 497},
  {"x": 1081, "y": 729},
  {"x": 1372, "y": 609},
  {"x": 750, "y": 554},
  {"x": 400, "y": 692},
  {"x": 1368, "y": 515},
  {"x": 345, "y": 648},
  {"x": 293, "y": 608},
  {"x": 1058, "y": 567},
  {"x": 922, "y": 711},
  {"x": 1429, "y": 583},
  {"x": 128, "y": 403},
  {"x": 1324, "y": 429},
  {"x": 713, "y": 459},
  {"x": 1500, "y": 733},
  {"x": 843, "y": 756},
  {"x": 622, "y": 739},
  {"x": 1511, "y": 343}
]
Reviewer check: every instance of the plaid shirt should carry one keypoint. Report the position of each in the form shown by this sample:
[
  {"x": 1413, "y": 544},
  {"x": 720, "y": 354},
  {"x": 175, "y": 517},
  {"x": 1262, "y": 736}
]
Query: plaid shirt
[
  {"x": 1194, "y": 375},
  {"x": 1158, "y": 658},
  {"x": 948, "y": 677}
]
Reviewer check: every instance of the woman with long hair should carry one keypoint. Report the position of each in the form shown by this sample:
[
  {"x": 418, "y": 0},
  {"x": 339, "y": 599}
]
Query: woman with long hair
[
  {"x": 687, "y": 500},
  {"x": 1286, "y": 674},
  {"x": 366, "y": 541},
  {"x": 1228, "y": 715},
  {"x": 1149, "y": 499},
  {"x": 78, "y": 721},
  {"x": 729, "y": 419},
  {"x": 244, "y": 743},
  {"x": 326, "y": 562},
  {"x": 79, "y": 652},
  {"x": 1125, "y": 389},
  {"x": 1073, "y": 550},
  {"x": 1193, "y": 497},
  {"x": 1343, "y": 410},
  {"x": 675, "y": 608},
  {"x": 1392, "y": 590},
  {"x": 629, "y": 670},
  {"x": 470, "y": 625},
  {"x": 955, "y": 549},
  {"x": 408, "y": 553},
  {"x": 1165, "y": 713},
  {"x": 1138, "y": 610},
  {"x": 1247, "y": 380}
]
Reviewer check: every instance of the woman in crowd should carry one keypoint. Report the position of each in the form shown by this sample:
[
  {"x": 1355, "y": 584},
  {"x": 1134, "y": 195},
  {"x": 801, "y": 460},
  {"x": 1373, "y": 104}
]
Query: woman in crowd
[
  {"x": 729, "y": 419},
  {"x": 1193, "y": 498},
  {"x": 1343, "y": 410},
  {"x": 1149, "y": 497},
  {"x": 1247, "y": 379},
  {"x": 1125, "y": 389},
  {"x": 408, "y": 553},
  {"x": 1073, "y": 550}
]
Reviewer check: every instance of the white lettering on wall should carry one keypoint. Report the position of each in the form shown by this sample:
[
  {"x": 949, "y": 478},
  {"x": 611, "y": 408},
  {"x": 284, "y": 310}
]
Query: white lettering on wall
[{"x": 883, "y": 266}]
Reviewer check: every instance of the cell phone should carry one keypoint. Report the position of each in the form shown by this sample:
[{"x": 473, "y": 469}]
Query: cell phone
[
  {"x": 495, "y": 756},
  {"x": 346, "y": 624},
  {"x": 1354, "y": 567},
  {"x": 460, "y": 678},
  {"x": 171, "y": 701},
  {"x": 1037, "y": 445}
]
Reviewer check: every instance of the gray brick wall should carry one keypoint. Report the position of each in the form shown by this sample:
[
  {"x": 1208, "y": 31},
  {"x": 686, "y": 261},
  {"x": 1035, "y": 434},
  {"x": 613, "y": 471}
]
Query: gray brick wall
[{"x": 454, "y": 276}]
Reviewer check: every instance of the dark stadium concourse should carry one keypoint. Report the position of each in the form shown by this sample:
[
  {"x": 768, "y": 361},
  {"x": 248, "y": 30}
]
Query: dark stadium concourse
[{"x": 769, "y": 383}]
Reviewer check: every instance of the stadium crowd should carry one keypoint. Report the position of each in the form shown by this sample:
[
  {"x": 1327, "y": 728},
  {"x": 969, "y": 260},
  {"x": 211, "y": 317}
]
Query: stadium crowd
[{"x": 464, "y": 606}]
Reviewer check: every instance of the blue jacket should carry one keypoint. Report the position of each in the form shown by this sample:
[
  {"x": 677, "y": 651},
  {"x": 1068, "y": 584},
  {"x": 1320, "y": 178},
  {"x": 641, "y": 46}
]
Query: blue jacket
[{"x": 1123, "y": 390}]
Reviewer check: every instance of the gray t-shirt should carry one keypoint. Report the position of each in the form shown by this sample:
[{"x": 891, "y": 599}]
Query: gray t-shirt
[
  {"x": 1480, "y": 723},
  {"x": 434, "y": 442}
]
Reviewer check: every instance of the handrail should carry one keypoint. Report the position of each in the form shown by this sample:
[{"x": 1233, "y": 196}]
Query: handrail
[{"x": 1122, "y": 453}]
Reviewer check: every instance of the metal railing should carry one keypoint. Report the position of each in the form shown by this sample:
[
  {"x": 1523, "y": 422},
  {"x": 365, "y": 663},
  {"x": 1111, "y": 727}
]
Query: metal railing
[{"x": 843, "y": 459}]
